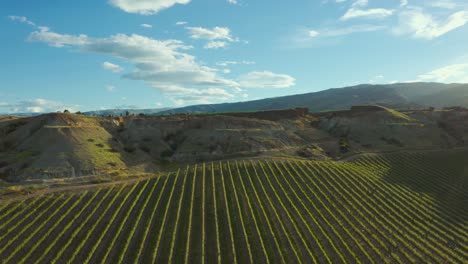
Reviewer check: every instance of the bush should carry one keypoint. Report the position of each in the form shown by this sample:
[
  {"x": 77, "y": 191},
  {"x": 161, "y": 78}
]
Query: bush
[
  {"x": 100, "y": 145},
  {"x": 145, "y": 149},
  {"x": 129, "y": 149},
  {"x": 344, "y": 145},
  {"x": 167, "y": 153},
  {"x": 3, "y": 164}
]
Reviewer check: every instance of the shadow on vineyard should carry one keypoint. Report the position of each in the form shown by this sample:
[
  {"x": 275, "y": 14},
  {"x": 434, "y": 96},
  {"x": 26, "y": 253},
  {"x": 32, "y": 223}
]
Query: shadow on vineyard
[{"x": 441, "y": 176}]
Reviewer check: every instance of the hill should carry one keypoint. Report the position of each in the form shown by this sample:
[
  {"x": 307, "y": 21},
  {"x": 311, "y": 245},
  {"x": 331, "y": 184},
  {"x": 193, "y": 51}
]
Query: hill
[
  {"x": 396, "y": 208},
  {"x": 400, "y": 96},
  {"x": 70, "y": 145}
]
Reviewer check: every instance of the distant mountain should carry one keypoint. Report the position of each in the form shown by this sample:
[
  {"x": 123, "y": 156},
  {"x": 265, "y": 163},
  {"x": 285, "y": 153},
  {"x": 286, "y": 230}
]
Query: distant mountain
[
  {"x": 117, "y": 112},
  {"x": 400, "y": 96}
]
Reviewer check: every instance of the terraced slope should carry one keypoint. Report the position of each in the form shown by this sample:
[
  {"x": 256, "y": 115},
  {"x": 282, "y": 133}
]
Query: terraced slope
[{"x": 398, "y": 208}]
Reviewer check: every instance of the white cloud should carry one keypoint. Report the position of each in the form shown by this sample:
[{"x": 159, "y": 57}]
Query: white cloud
[
  {"x": 306, "y": 35},
  {"x": 237, "y": 89},
  {"x": 146, "y": 25},
  {"x": 180, "y": 23},
  {"x": 336, "y": 32},
  {"x": 360, "y": 3},
  {"x": 313, "y": 33},
  {"x": 218, "y": 36},
  {"x": 227, "y": 63},
  {"x": 110, "y": 88},
  {"x": 448, "y": 4},
  {"x": 158, "y": 104},
  {"x": 37, "y": 105},
  {"x": 163, "y": 64},
  {"x": 403, "y": 3},
  {"x": 455, "y": 73},
  {"x": 367, "y": 13},
  {"x": 112, "y": 67},
  {"x": 357, "y": 11},
  {"x": 266, "y": 79},
  {"x": 43, "y": 34},
  {"x": 233, "y": 2},
  {"x": 216, "y": 33},
  {"x": 145, "y": 7},
  {"x": 182, "y": 96},
  {"x": 22, "y": 19},
  {"x": 422, "y": 25},
  {"x": 215, "y": 45}
]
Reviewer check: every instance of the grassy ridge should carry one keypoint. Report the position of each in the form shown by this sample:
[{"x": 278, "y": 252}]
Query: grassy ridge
[{"x": 395, "y": 208}]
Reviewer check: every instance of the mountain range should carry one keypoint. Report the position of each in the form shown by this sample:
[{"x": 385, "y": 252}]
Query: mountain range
[{"x": 399, "y": 96}]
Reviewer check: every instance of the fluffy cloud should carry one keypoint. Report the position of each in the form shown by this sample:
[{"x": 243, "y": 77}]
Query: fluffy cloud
[
  {"x": 233, "y": 2},
  {"x": 38, "y": 105},
  {"x": 216, "y": 33},
  {"x": 145, "y": 7},
  {"x": 112, "y": 67},
  {"x": 403, "y": 2},
  {"x": 146, "y": 25},
  {"x": 43, "y": 34},
  {"x": 181, "y": 23},
  {"x": 266, "y": 79},
  {"x": 163, "y": 64},
  {"x": 455, "y": 73},
  {"x": 422, "y": 25},
  {"x": 218, "y": 36}
]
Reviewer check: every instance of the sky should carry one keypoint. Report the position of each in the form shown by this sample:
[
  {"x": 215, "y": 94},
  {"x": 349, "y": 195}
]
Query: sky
[{"x": 102, "y": 54}]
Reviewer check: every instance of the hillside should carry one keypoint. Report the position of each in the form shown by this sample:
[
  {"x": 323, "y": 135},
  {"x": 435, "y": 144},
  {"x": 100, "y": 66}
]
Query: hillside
[
  {"x": 70, "y": 145},
  {"x": 400, "y": 96},
  {"x": 367, "y": 210}
]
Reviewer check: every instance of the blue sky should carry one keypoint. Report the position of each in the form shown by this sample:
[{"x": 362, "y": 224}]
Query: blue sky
[{"x": 100, "y": 54}]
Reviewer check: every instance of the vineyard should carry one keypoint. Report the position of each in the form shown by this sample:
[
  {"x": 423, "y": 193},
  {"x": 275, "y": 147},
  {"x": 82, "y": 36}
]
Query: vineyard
[{"x": 395, "y": 208}]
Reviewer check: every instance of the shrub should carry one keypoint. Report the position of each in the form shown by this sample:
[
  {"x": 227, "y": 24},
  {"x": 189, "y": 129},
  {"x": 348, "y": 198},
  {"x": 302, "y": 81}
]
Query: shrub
[
  {"x": 344, "y": 145},
  {"x": 129, "y": 149},
  {"x": 167, "y": 153},
  {"x": 3, "y": 164},
  {"x": 145, "y": 149}
]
